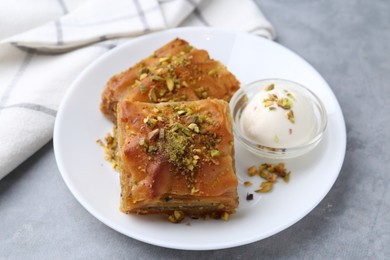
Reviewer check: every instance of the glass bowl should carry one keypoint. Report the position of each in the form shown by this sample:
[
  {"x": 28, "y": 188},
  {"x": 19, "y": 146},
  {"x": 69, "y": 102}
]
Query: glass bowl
[{"x": 242, "y": 98}]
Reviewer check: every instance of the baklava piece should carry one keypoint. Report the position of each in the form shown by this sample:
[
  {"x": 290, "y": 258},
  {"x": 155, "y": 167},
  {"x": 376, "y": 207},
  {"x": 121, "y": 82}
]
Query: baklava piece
[
  {"x": 175, "y": 72},
  {"x": 177, "y": 158}
]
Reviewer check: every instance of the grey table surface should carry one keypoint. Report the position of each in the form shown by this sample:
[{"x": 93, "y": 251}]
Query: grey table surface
[{"x": 348, "y": 43}]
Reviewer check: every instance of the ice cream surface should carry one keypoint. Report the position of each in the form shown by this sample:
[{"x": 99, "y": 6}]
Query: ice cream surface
[{"x": 279, "y": 116}]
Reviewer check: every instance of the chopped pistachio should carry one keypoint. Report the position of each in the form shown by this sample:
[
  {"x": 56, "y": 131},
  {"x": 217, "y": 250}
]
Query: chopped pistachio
[
  {"x": 214, "y": 153},
  {"x": 143, "y": 71},
  {"x": 263, "y": 167},
  {"x": 187, "y": 48},
  {"x": 286, "y": 178},
  {"x": 188, "y": 111},
  {"x": 198, "y": 151},
  {"x": 268, "y": 103},
  {"x": 194, "y": 127},
  {"x": 252, "y": 171},
  {"x": 142, "y": 76},
  {"x": 175, "y": 127},
  {"x": 157, "y": 78},
  {"x": 100, "y": 142},
  {"x": 176, "y": 217},
  {"x": 290, "y": 116},
  {"x": 170, "y": 84},
  {"x": 285, "y": 103},
  {"x": 201, "y": 118},
  {"x": 291, "y": 96},
  {"x": 184, "y": 83},
  {"x": 213, "y": 72},
  {"x": 271, "y": 167},
  {"x": 181, "y": 112},
  {"x": 150, "y": 122},
  {"x": 176, "y": 146},
  {"x": 270, "y": 87},
  {"x": 276, "y": 139},
  {"x": 273, "y": 177},
  {"x": 186, "y": 131},
  {"x": 247, "y": 183},
  {"x": 142, "y": 141},
  {"x": 162, "y": 92},
  {"x": 225, "y": 216},
  {"x": 152, "y": 95},
  {"x": 270, "y": 173},
  {"x": 264, "y": 174},
  {"x": 152, "y": 148},
  {"x": 280, "y": 170},
  {"x": 194, "y": 190},
  {"x": 199, "y": 91},
  {"x": 265, "y": 186},
  {"x": 166, "y": 58},
  {"x": 160, "y": 71},
  {"x": 142, "y": 88},
  {"x": 221, "y": 206}
]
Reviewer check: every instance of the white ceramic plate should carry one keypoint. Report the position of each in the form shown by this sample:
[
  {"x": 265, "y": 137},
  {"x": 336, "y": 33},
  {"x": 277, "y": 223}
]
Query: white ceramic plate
[{"x": 96, "y": 186}]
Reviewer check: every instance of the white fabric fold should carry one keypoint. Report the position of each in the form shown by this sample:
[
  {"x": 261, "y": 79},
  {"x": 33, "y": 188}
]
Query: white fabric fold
[{"x": 38, "y": 65}]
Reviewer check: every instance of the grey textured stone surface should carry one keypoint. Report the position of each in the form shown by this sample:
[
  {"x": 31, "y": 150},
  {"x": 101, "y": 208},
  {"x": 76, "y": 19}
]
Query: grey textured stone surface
[{"x": 348, "y": 43}]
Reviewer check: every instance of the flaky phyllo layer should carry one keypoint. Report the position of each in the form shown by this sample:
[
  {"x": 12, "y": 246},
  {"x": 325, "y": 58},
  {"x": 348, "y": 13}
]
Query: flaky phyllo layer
[
  {"x": 177, "y": 156},
  {"x": 175, "y": 72}
]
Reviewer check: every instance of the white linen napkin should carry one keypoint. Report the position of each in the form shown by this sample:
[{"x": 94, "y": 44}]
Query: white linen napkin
[{"x": 43, "y": 48}]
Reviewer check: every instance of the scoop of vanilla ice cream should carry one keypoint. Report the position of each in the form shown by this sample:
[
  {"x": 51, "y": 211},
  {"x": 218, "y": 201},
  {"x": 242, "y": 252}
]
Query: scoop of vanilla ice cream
[{"x": 279, "y": 117}]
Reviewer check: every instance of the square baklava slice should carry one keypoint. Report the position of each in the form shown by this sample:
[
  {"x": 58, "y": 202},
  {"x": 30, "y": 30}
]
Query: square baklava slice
[
  {"x": 177, "y": 158},
  {"x": 175, "y": 72}
]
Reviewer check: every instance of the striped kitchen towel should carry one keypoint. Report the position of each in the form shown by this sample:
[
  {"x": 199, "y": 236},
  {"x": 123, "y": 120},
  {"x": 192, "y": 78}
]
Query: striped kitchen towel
[{"x": 43, "y": 46}]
